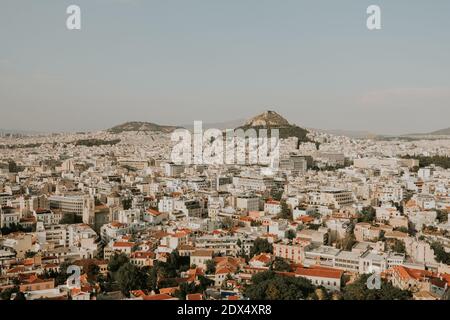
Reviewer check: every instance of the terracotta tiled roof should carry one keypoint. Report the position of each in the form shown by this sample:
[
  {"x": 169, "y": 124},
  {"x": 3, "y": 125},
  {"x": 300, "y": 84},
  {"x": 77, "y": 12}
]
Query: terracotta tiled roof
[
  {"x": 202, "y": 253},
  {"x": 161, "y": 296},
  {"x": 123, "y": 244},
  {"x": 319, "y": 272},
  {"x": 194, "y": 296}
]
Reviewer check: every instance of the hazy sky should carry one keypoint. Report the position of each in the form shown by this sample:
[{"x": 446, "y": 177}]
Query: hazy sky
[{"x": 176, "y": 61}]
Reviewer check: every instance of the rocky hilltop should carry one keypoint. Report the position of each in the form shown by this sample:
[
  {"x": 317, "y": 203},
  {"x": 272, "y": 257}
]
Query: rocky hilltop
[
  {"x": 141, "y": 127},
  {"x": 272, "y": 120}
]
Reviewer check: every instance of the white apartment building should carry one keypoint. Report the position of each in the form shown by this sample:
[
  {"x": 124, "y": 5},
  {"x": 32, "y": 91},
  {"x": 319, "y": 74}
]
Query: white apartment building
[
  {"x": 47, "y": 216},
  {"x": 272, "y": 207},
  {"x": 332, "y": 197},
  {"x": 129, "y": 216},
  {"x": 5, "y": 199},
  {"x": 257, "y": 183},
  {"x": 247, "y": 202},
  {"x": 9, "y": 216},
  {"x": 114, "y": 230},
  {"x": 68, "y": 203},
  {"x": 389, "y": 192},
  {"x": 166, "y": 204},
  {"x": 173, "y": 170}
]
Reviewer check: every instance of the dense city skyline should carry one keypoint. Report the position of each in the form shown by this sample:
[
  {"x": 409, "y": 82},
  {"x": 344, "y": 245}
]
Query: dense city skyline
[{"x": 236, "y": 152}]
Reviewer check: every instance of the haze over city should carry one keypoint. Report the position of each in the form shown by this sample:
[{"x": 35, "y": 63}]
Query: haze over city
[
  {"x": 233, "y": 152},
  {"x": 175, "y": 62}
]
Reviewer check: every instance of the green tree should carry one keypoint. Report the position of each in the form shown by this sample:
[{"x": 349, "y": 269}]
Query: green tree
[
  {"x": 260, "y": 246},
  {"x": 286, "y": 212},
  {"x": 440, "y": 254},
  {"x": 276, "y": 194},
  {"x": 280, "y": 264},
  {"x": 348, "y": 241},
  {"x": 126, "y": 203},
  {"x": 398, "y": 246},
  {"x": 185, "y": 289},
  {"x": 402, "y": 229},
  {"x": 20, "y": 296},
  {"x": 30, "y": 254},
  {"x": 92, "y": 271},
  {"x": 290, "y": 234},
  {"x": 425, "y": 161},
  {"x": 129, "y": 277},
  {"x": 205, "y": 282},
  {"x": 116, "y": 261},
  {"x": 442, "y": 216},
  {"x": 359, "y": 290},
  {"x": 7, "y": 293},
  {"x": 61, "y": 276},
  {"x": 12, "y": 166},
  {"x": 271, "y": 286},
  {"x": 367, "y": 214},
  {"x": 210, "y": 267}
]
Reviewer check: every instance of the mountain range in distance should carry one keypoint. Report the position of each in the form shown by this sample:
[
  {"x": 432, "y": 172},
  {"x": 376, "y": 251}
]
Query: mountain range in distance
[
  {"x": 141, "y": 126},
  {"x": 445, "y": 132},
  {"x": 268, "y": 120},
  {"x": 442, "y": 132}
]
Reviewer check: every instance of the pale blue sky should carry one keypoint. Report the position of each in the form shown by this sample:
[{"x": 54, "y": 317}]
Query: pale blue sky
[{"x": 175, "y": 61}]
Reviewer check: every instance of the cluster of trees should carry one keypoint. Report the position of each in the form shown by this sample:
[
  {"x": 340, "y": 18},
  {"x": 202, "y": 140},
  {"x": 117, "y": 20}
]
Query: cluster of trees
[
  {"x": 254, "y": 223},
  {"x": 261, "y": 246},
  {"x": 59, "y": 276},
  {"x": 96, "y": 142},
  {"x": 280, "y": 264},
  {"x": 397, "y": 246},
  {"x": 276, "y": 194},
  {"x": 314, "y": 226},
  {"x": 425, "y": 161},
  {"x": 20, "y": 146},
  {"x": 227, "y": 223},
  {"x": 14, "y": 227},
  {"x": 349, "y": 239},
  {"x": 290, "y": 234},
  {"x": 286, "y": 212},
  {"x": 190, "y": 287},
  {"x": 440, "y": 254},
  {"x": 359, "y": 290},
  {"x": 272, "y": 286},
  {"x": 442, "y": 216},
  {"x": 127, "y": 203},
  {"x": 402, "y": 229},
  {"x": 126, "y": 276},
  {"x": 210, "y": 267},
  {"x": 347, "y": 242},
  {"x": 327, "y": 168},
  {"x": 6, "y": 294},
  {"x": 367, "y": 214},
  {"x": 13, "y": 167}
]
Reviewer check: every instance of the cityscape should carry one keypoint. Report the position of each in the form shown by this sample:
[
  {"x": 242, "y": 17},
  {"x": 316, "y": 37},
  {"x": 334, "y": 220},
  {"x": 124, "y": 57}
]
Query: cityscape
[
  {"x": 226, "y": 156},
  {"x": 107, "y": 215}
]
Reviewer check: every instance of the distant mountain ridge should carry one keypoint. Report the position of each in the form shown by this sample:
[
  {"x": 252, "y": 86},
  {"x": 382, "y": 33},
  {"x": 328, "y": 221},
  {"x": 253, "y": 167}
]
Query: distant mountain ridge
[
  {"x": 443, "y": 132},
  {"x": 141, "y": 127},
  {"x": 272, "y": 120}
]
